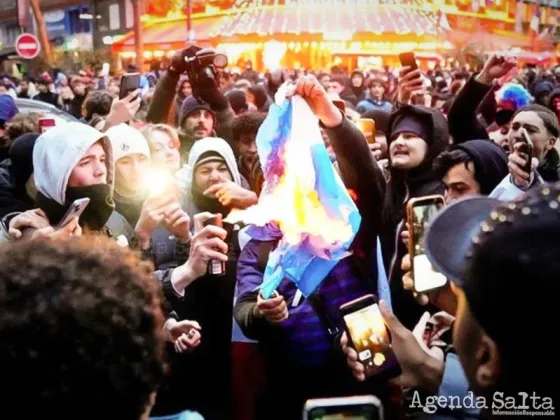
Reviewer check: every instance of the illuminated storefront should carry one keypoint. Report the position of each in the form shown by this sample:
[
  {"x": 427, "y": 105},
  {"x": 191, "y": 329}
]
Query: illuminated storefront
[{"x": 319, "y": 33}]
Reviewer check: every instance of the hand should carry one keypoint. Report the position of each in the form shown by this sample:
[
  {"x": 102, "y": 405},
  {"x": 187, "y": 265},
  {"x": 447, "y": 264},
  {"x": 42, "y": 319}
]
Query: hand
[
  {"x": 71, "y": 229},
  {"x": 232, "y": 195},
  {"x": 274, "y": 310},
  {"x": 315, "y": 95},
  {"x": 31, "y": 219},
  {"x": 123, "y": 110},
  {"x": 421, "y": 366},
  {"x": 152, "y": 214},
  {"x": 184, "y": 334},
  {"x": 357, "y": 368},
  {"x": 177, "y": 221},
  {"x": 496, "y": 66},
  {"x": 375, "y": 149},
  {"x": 410, "y": 82},
  {"x": 517, "y": 162},
  {"x": 443, "y": 297},
  {"x": 178, "y": 63},
  {"x": 207, "y": 245},
  {"x": 405, "y": 234}
]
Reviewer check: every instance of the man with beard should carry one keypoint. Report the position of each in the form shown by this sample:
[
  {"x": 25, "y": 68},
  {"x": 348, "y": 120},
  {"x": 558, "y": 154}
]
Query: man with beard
[
  {"x": 214, "y": 186},
  {"x": 207, "y": 114}
]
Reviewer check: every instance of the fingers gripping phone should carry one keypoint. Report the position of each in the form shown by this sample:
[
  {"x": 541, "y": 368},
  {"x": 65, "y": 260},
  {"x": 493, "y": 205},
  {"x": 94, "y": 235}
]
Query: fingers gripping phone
[
  {"x": 408, "y": 59},
  {"x": 369, "y": 336},
  {"x": 526, "y": 148},
  {"x": 365, "y": 407},
  {"x": 75, "y": 210},
  {"x": 129, "y": 83},
  {"x": 367, "y": 127},
  {"x": 420, "y": 211}
]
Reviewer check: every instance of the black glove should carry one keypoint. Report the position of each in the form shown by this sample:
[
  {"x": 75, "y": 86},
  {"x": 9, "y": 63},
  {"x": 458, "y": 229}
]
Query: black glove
[
  {"x": 178, "y": 64},
  {"x": 205, "y": 87}
]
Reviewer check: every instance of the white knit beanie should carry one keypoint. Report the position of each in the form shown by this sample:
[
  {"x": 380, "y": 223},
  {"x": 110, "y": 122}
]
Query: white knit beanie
[{"x": 127, "y": 141}]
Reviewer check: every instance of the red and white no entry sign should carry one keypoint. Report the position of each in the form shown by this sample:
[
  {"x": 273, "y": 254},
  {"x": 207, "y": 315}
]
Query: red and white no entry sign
[{"x": 27, "y": 46}]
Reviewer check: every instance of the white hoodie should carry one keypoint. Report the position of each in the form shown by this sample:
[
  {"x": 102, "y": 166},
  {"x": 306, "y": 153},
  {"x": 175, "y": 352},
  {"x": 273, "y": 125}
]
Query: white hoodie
[
  {"x": 208, "y": 144},
  {"x": 59, "y": 150}
]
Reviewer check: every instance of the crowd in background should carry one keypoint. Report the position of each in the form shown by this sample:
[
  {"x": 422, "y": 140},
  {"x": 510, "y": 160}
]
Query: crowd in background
[{"x": 154, "y": 333}]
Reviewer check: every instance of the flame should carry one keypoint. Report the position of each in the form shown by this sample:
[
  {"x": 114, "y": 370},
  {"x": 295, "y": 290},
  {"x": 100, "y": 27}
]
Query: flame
[{"x": 294, "y": 205}]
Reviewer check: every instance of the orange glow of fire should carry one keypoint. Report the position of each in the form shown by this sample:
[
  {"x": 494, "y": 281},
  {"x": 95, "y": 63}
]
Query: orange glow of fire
[{"x": 295, "y": 207}]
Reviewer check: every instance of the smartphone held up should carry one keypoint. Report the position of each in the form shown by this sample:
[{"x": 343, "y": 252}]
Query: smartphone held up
[
  {"x": 367, "y": 127},
  {"x": 420, "y": 212},
  {"x": 366, "y": 407},
  {"x": 369, "y": 336}
]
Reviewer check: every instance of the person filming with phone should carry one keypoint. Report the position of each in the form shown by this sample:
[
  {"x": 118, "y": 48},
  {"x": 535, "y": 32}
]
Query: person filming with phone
[{"x": 72, "y": 166}]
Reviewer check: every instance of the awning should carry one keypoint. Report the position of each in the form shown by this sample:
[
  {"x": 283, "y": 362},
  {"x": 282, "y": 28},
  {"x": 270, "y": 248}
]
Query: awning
[
  {"x": 171, "y": 35},
  {"x": 333, "y": 22},
  {"x": 327, "y": 23}
]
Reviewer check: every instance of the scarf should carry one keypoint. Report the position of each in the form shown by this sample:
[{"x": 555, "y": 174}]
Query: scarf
[{"x": 96, "y": 214}]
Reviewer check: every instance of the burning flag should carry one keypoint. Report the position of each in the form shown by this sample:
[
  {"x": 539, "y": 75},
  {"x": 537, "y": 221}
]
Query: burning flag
[{"x": 303, "y": 197}]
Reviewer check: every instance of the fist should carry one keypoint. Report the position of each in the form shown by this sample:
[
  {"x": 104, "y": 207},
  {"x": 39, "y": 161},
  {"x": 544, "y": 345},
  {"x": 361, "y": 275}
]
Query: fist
[{"x": 274, "y": 310}]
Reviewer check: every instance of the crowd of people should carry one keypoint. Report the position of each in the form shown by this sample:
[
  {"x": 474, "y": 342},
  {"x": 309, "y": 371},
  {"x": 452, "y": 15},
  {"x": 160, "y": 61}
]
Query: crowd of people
[{"x": 116, "y": 313}]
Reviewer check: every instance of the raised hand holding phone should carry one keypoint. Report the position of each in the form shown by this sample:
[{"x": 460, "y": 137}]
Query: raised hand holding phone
[
  {"x": 521, "y": 161},
  {"x": 420, "y": 211},
  {"x": 368, "y": 336}
]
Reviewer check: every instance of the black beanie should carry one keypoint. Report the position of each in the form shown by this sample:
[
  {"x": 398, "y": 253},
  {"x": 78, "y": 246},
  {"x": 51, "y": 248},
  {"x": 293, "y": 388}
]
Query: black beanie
[
  {"x": 21, "y": 154},
  {"x": 409, "y": 123},
  {"x": 192, "y": 104},
  {"x": 490, "y": 163}
]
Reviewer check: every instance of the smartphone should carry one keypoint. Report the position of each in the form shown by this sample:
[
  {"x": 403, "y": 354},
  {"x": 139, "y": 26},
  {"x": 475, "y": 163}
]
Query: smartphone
[
  {"x": 526, "y": 148},
  {"x": 75, "y": 210},
  {"x": 215, "y": 268},
  {"x": 420, "y": 211},
  {"x": 365, "y": 407},
  {"x": 408, "y": 59},
  {"x": 368, "y": 335},
  {"x": 129, "y": 83},
  {"x": 46, "y": 124},
  {"x": 367, "y": 127}
]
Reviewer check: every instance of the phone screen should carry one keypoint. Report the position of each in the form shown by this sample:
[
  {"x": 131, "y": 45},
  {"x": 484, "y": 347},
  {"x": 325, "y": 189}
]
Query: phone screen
[
  {"x": 129, "y": 83},
  {"x": 369, "y": 336},
  {"x": 352, "y": 412},
  {"x": 425, "y": 277},
  {"x": 367, "y": 127}
]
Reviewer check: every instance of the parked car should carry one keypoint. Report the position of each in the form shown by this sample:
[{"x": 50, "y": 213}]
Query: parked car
[{"x": 26, "y": 106}]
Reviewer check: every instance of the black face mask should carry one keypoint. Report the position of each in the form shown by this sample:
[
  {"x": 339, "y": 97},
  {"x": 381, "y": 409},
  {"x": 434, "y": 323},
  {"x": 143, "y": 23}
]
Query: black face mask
[
  {"x": 99, "y": 209},
  {"x": 96, "y": 214}
]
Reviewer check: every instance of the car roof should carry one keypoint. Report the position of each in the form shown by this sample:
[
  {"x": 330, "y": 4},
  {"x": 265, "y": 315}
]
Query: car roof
[{"x": 26, "y": 106}]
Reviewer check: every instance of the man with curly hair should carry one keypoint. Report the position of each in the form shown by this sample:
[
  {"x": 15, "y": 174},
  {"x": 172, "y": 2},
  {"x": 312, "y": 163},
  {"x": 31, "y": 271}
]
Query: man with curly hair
[{"x": 81, "y": 331}]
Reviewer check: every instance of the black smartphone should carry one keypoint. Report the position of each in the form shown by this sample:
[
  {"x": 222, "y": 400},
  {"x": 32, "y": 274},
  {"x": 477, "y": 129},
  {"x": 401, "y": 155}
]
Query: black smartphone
[
  {"x": 420, "y": 212},
  {"x": 366, "y": 407},
  {"x": 408, "y": 59},
  {"x": 526, "y": 148},
  {"x": 129, "y": 83},
  {"x": 369, "y": 336}
]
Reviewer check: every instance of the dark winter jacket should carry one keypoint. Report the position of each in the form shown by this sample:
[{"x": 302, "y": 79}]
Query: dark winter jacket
[
  {"x": 162, "y": 101},
  {"x": 402, "y": 186}
]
